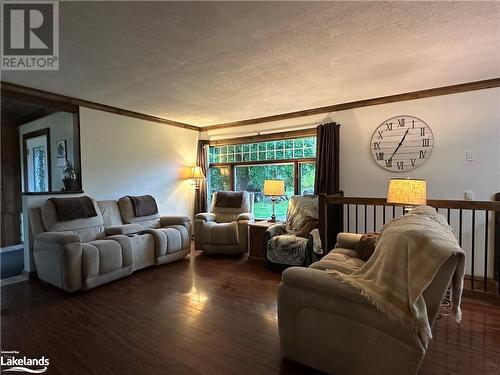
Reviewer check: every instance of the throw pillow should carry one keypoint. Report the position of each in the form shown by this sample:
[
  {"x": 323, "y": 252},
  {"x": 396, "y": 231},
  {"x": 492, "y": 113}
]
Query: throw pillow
[{"x": 366, "y": 245}]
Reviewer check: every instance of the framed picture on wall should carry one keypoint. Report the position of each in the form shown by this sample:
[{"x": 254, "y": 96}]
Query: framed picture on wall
[{"x": 61, "y": 153}]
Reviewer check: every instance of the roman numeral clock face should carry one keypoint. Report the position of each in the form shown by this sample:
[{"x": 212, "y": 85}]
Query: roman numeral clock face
[{"x": 401, "y": 143}]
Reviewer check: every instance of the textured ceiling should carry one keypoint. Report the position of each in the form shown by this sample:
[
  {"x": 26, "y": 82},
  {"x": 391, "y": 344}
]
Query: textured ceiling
[{"x": 207, "y": 63}]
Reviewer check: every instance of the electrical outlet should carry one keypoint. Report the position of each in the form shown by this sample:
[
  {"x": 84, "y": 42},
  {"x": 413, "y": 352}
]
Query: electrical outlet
[
  {"x": 469, "y": 155},
  {"x": 469, "y": 195}
]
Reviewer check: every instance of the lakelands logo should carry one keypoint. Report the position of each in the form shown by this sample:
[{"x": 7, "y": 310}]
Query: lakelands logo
[
  {"x": 11, "y": 361},
  {"x": 30, "y": 35}
]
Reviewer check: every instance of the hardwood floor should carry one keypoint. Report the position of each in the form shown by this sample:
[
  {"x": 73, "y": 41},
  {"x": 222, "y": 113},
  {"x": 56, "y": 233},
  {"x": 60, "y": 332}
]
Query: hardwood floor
[{"x": 198, "y": 316}]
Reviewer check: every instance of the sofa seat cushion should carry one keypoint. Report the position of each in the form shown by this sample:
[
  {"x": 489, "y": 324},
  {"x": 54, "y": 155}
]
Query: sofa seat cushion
[
  {"x": 101, "y": 257},
  {"x": 287, "y": 249},
  {"x": 339, "y": 259}
]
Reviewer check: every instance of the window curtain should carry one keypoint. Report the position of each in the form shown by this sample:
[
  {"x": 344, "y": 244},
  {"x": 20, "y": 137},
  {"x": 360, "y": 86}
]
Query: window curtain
[
  {"x": 202, "y": 162},
  {"x": 327, "y": 177}
]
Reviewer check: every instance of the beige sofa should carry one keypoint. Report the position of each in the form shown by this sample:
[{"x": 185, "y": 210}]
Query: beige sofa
[
  {"x": 328, "y": 325},
  {"x": 88, "y": 252},
  {"x": 224, "y": 230}
]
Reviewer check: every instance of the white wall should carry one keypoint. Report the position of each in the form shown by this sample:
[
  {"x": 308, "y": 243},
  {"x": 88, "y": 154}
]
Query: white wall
[
  {"x": 460, "y": 122},
  {"x": 127, "y": 156}
]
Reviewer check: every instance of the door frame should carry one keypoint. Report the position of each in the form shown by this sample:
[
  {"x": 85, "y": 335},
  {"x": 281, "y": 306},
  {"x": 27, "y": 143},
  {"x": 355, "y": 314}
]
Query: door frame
[{"x": 37, "y": 133}]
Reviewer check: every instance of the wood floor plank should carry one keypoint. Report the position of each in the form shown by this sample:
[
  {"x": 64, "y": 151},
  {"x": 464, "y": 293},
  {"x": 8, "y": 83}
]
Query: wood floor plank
[{"x": 200, "y": 315}]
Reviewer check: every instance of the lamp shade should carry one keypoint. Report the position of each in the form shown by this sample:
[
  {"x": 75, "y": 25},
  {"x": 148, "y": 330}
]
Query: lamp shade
[
  {"x": 274, "y": 188},
  {"x": 196, "y": 174},
  {"x": 407, "y": 191}
]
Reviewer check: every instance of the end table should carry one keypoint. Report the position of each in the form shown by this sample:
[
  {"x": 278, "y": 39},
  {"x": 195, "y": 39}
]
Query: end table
[{"x": 256, "y": 231}]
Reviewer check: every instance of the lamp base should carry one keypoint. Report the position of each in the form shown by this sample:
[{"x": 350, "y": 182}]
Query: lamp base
[{"x": 407, "y": 209}]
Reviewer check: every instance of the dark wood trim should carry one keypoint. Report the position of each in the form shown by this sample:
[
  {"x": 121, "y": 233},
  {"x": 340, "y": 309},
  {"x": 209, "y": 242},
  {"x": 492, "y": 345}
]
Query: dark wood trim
[
  {"x": 436, "y": 203},
  {"x": 70, "y": 104},
  {"x": 438, "y": 91},
  {"x": 26, "y": 136},
  {"x": 35, "y": 117},
  {"x": 266, "y": 137},
  {"x": 53, "y": 192},
  {"x": 259, "y": 162}
]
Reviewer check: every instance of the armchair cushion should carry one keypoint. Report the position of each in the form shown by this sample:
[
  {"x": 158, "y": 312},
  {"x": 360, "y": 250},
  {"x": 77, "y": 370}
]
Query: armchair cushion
[
  {"x": 229, "y": 199},
  {"x": 207, "y": 216},
  {"x": 287, "y": 249},
  {"x": 220, "y": 233}
]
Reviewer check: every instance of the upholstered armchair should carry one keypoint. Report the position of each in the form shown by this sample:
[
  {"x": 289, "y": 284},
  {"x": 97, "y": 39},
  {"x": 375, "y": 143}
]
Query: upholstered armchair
[
  {"x": 291, "y": 243},
  {"x": 224, "y": 230}
]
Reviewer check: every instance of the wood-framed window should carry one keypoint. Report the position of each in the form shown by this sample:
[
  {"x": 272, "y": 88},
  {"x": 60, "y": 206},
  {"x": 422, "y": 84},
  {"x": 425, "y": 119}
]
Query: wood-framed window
[{"x": 244, "y": 166}]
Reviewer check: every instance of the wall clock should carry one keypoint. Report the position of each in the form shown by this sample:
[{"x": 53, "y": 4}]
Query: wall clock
[{"x": 401, "y": 143}]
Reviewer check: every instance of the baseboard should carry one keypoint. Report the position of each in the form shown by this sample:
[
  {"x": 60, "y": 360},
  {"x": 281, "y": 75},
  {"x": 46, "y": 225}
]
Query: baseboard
[{"x": 491, "y": 285}]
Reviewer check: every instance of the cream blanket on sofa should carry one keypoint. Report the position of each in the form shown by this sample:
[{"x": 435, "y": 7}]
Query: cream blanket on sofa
[{"x": 408, "y": 254}]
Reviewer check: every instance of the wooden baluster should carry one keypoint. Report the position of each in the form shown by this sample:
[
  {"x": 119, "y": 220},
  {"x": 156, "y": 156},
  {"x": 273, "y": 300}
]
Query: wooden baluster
[
  {"x": 473, "y": 235},
  {"x": 374, "y": 218},
  {"x": 486, "y": 226}
]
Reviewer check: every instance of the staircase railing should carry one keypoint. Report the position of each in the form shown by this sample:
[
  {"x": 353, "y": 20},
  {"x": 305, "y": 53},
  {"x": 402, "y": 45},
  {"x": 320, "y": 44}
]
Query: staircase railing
[{"x": 476, "y": 225}]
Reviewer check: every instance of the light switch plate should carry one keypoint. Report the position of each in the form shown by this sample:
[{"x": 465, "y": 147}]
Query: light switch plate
[{"x": 469, "y": 155}]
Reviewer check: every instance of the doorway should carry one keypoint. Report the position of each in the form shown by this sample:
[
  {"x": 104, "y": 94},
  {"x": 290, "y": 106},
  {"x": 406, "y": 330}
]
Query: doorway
[{"x": 36, "y": 151}]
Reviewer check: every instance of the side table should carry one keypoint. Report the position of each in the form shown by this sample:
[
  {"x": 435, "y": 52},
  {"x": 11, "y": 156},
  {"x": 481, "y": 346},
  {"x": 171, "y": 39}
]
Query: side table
[{"x": 256, "y": 231}]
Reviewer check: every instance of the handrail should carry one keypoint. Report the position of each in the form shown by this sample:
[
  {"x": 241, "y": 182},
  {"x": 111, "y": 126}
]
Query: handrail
[{"x": 436, "y": 203}]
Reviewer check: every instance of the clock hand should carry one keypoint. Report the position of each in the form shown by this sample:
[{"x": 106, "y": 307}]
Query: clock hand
[{"x": 400, "y": 143}]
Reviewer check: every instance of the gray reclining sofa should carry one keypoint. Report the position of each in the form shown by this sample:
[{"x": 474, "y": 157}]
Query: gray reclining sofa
[{"x": 87, "y": 252}]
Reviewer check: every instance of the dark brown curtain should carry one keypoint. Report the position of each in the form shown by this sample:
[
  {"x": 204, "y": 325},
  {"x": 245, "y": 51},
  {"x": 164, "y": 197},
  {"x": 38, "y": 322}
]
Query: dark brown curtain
[
  {"x": 327, "y": 177},
  {"x": 201, "y": 161}
]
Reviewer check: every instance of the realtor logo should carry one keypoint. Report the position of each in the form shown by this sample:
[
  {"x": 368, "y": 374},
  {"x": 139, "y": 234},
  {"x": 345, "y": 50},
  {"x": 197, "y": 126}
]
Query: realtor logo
[{"x": 30, "y": 35}]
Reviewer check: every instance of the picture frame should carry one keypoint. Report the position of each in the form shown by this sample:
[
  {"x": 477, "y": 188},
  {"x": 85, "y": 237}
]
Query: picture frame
[{"x": 61, "y": 153}]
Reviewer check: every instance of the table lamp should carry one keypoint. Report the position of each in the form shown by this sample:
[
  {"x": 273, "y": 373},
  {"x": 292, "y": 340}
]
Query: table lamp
[
  {"x": 273, "y": 189},
  {"x": 408, "y": 192}
]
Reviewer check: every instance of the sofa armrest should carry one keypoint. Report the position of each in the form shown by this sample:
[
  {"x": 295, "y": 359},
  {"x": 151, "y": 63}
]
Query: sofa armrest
[
  {"x": 58, "y": 238},
  {"x": 245, "y": 216},
  {"x": 168, "y": 220},
  {"x": 348, "y": 240},
  {"x": 322, "y": 282},
  {"x": 206, "y": 216},
  {"x": 124, "y": 229},
  {"x": 58, "y": 259}
]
